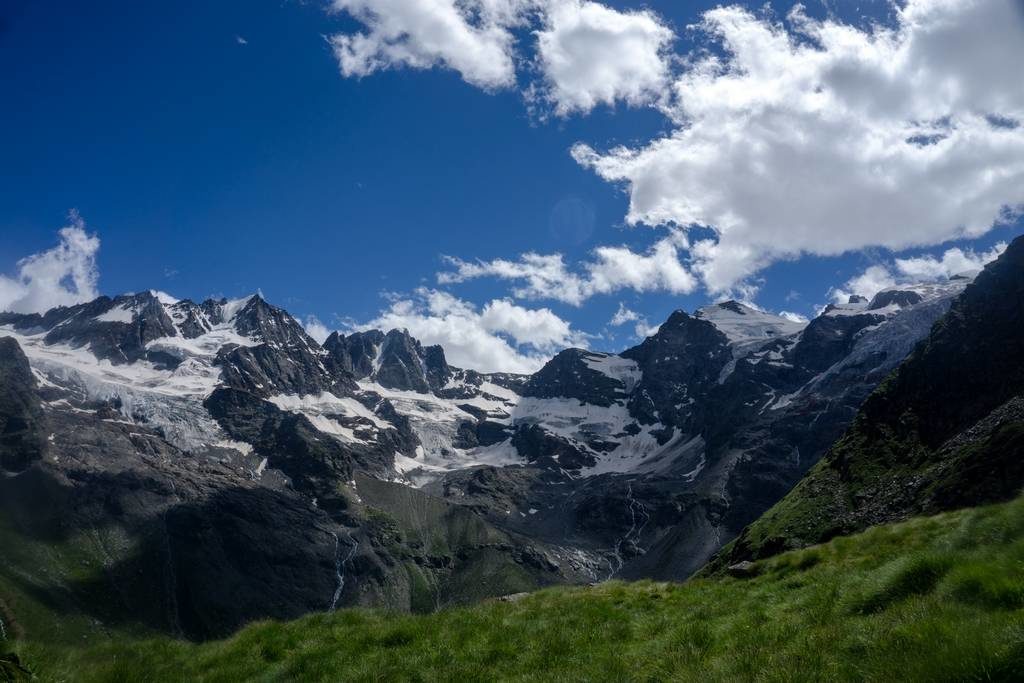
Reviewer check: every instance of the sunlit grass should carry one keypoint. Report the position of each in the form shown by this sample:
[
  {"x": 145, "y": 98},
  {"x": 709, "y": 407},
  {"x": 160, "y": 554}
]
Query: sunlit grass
[{"x": 936, "y": 599}]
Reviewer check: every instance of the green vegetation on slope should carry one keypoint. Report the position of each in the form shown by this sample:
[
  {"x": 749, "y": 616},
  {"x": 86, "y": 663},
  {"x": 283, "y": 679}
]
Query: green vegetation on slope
[
  {"x": 945, "y": 430},
  {"x": 938, "y": 599}
]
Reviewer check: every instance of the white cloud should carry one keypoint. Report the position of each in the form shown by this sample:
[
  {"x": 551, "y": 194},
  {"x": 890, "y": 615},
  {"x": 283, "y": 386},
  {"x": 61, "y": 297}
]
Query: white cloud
[
  {"x": 659, "y": 269},
  {"x": 500, "y": 336},
  {"x": 641, "y": 329},
  {"x": 952, "y": 262},
  {"x": 904, "y": 271},
  {"x": 316, "y": 329},
  {"x": 868, "y": 283},
  {"x": 62, "y": 276},
  {"x": 586, "y": 53},
  {"x": 610, "y": 270},
  {"x": 544, "y": 276},
  {"x": 822, "y": 137},
  {"x": 539, "y": 328},
  {"x": 623, "y": 316},
  {"x": 472, "y": 37},
  {"x": 590, "y": 54}
]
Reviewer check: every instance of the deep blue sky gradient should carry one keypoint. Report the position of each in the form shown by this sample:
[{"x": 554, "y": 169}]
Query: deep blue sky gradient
[{"x": 208, "y": 167}]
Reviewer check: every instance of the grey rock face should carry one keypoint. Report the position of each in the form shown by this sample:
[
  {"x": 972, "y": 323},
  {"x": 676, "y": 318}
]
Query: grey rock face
[
  {"x": 402, "y": 364},
  {"x": 294, "y": 446},
  {"x": 356, "y": 352},
  {"x": 394, "y": 360},
  {"x": 286, "y": 361},
  {"x": 568, "y": 375},
  {"x": 115, "y": 329},
  {"x": 894, "y": 297},
  {"x": 680, "y": 363},
  {"x": 548, "y": 450},
  {"x": 21, "y": 414}
]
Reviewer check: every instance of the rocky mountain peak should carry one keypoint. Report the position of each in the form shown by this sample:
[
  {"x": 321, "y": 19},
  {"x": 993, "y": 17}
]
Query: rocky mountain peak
[
  {"x": 735, "y": 307},
  {"x": 743, "y": 323},
  {"x": 578, "y": 374},
  {"x": 282, "y": 359},
  {"x": 681, "y": 333},
  {"x": 272, "y": 325},
  {"x": 678, "y": 364},
  {"x": 894, "y": 297},
  {"x": 116, "y": 329},
  {"x": 395, "y": 360},
  {"x": 403, "y": 364},
  {"x": 357, "y": 352}
]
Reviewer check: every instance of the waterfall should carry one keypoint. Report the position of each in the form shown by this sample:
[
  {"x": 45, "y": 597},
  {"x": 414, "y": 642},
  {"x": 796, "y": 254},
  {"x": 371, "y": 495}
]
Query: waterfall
[
  {"x": 636, "y": 509},
  {"x": 339, "y": 565}
]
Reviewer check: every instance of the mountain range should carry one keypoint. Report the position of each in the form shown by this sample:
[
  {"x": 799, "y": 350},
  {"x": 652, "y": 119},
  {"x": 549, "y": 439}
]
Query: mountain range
[{"x": 186, "y": 468}]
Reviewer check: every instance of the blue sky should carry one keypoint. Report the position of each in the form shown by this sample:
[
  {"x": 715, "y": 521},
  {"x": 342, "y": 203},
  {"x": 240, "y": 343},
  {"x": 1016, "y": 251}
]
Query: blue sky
[{"x": 216, "y": 149}]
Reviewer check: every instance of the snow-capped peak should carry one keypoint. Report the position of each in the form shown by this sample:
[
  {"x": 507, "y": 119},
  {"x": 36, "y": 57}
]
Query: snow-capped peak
[
  {"x": 164, "y": 298},
  {"x": 232, "y": 307},
  {"x": 742, "y": 323}
]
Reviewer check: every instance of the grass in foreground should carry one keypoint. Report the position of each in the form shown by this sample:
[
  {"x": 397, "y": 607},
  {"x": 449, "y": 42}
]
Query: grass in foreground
[{"x": 936, "y": 599}]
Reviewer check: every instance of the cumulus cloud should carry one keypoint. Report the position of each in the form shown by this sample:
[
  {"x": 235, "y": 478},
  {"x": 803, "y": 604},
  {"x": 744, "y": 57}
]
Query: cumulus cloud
[
  {"x": 586, "y": 53},
  {"x": 591, "y": 54},
  {"x": 644, "y": 329},
  {"x": 500, "y": 336},
  {"x": 543, "y": 276},
  {"x": 817, "y": 137},
  {"x": 611, "y": 269},
  {"x": 866, "y": 284},
  {"x": 472, "y": 37},
  {"x": 316, "y": 329},
  {"x": 61, "y": 276},
  {"x": 641, "y": 328},
  {"x": 952, "y": 262},
  {"x": 904, "y": 271},
  {"x": 623, "y": 316}
]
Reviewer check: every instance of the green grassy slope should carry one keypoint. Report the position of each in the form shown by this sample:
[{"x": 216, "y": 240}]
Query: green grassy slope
[
  {"x": 937, "y": 599},
  {"x": 945, "y": 430}
]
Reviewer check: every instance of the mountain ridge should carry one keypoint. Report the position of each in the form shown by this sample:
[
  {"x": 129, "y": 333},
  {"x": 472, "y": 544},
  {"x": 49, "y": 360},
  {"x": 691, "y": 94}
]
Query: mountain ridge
[
  {"x": 410, "y": 475},
  {"x": 944, "y": 430}
]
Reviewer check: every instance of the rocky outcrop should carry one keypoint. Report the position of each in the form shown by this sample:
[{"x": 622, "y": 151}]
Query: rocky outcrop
[
  {"x": 679, "y": 365},
  {"x": 548, "y": 450},
  {"x": 292, "y": 445},
  {"x": 117, "y": 329},
  {"x": 569, "y": 375},
  {"x": 22, "y": 440},
  {"x": 394, "y": 360},
  {"x": 355, "y": 353},
  {"x": 285, "y": 361}
]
